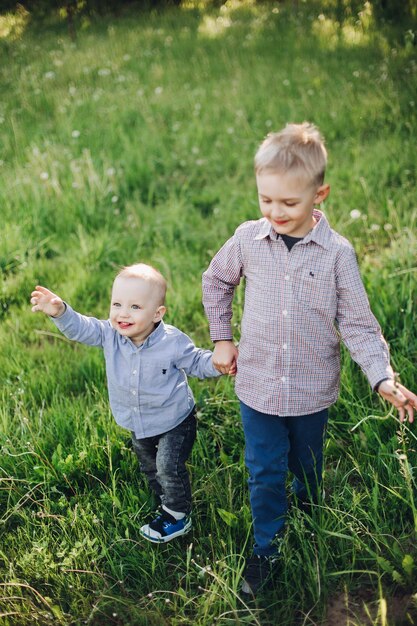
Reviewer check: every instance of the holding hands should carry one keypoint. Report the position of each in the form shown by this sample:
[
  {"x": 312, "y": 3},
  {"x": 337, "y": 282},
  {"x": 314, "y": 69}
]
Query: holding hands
[
  {"x": 47, "y": 302},
  {"x": 225, "y": 357}
]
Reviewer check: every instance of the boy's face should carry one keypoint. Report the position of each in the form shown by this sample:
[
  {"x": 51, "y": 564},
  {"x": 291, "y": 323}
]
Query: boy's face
[
  {"x": 287, "y": 201},
  {"x": 135, "y": 308}
]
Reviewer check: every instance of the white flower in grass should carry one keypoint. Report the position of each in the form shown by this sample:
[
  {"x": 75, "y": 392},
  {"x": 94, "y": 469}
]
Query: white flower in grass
[
  {"x": 355, "y": 214},
  {"x": 230, "y": 130},
  {"x": 286, "y": 82},
  {"x": 110, "y": 171},
  {"x": 268, "y": 123},
  {"x": 44, "y": 175},
  {"x": 75, "y": 134},
  {"x": 104, "y": 71},
  {"x": 114, "y": 199},
  {"x": 126, "y": 57},
  {"x": 49, "y": 75},
  {"x": 375, "y": 227},
  {"x": 387, "y": 227},
  {"x": 158, "y": 90}
]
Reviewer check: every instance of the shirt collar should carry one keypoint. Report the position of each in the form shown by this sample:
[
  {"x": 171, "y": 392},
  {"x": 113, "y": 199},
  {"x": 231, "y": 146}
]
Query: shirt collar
[{"x": 320, "y": 234}]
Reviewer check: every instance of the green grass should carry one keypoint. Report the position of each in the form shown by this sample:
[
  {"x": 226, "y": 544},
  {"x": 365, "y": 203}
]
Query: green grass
[{"x": 136, "y": 143}]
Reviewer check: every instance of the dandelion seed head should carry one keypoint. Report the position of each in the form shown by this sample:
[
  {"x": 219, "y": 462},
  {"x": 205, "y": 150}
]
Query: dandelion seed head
[
  {"x": 75, "y": 134},
  {"x": 158, "y": 90},
  {"x": 114, "y": 199},
  {"x": 49, "y": 75},
  {"x": 44, "y": 175},
  {"x": 355, "y": 214}
]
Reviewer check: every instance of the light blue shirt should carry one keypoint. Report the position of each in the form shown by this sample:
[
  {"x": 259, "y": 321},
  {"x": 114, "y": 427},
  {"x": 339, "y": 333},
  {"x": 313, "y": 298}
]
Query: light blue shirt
[{"x": 148, "y": 389}]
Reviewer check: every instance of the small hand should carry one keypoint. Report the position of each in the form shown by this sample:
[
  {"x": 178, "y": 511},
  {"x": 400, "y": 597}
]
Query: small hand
[
  {"x": 400, "y": 397},
  {"x": 47, "y": 302}
]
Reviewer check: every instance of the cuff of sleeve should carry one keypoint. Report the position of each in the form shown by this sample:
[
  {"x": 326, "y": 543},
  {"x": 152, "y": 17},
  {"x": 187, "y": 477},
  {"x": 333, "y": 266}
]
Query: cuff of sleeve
[
  {"x": 378, "y": 374},
  {"x": 62, "y": 318},
  {"x": 376, "y": 387},
  {"x": 221, "y": 333}
]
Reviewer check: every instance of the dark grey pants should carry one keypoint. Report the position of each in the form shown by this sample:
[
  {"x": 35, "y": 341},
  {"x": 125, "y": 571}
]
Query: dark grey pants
[{"x": 162, "y": 459}]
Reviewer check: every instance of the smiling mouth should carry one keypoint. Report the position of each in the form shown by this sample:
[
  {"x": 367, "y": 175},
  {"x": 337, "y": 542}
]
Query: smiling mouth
[{"x": 124, "y": 324}]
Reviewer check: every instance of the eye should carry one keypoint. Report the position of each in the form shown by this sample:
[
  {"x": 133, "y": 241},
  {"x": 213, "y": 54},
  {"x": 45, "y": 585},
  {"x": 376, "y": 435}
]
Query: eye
[
  {"x": 135, "y": 307},
  {"x": 116, "y": 304},
  {"x": 266, "y": 200},
  {"x": 290, "y": 204}
]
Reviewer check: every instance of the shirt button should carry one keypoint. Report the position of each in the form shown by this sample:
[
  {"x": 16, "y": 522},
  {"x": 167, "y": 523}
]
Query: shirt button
[
  {"x": 284, "y": 346},
  {"x": 133, "y": 392},
  {"x": 287, "y": 277},
  {"x": 134, "y": 372},
  {"x": 285, "y": 312},
  {"x": 283, "y": 379}
]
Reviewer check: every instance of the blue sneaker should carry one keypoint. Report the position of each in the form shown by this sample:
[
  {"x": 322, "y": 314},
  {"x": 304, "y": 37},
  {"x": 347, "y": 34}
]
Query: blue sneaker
[{"x": 165, "y": 527}]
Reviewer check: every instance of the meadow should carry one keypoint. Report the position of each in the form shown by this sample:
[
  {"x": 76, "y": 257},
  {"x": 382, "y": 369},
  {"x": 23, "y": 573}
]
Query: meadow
[{"x": 135, "y": 142}]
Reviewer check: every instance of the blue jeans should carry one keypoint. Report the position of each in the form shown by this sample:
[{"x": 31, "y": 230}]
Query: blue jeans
[
  {"x": 162, "y": 459},
  {"x": 275, "y": 445}
]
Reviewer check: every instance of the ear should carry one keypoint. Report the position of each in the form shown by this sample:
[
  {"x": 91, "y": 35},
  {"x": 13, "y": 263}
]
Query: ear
[
  {"x": 159, "y": 313},
  {"x": 321, "y": 194}
]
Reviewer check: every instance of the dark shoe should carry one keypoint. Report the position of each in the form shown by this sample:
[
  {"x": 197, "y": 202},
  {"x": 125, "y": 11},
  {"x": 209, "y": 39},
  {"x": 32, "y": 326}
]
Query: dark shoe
[
  {"x": 257, "y": 570},
  {"x": 165, "y": 527}
]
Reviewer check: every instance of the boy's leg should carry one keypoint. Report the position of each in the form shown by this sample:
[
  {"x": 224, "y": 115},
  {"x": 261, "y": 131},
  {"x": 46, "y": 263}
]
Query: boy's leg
[
  {"x": 266, "y": 457},
  {"x": 146, "y": 450},
  {"x": 174, "y": 448},
  {"x": 305, "y": 461}
]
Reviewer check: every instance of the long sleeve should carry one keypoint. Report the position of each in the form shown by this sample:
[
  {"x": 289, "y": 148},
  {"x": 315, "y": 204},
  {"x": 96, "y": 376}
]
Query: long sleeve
[
  {"x": 194, "y": 361},
  {"x": 81, "y": 328},
  {"x": 358, "y": 327},
  {"x": 219, "y": 283}
]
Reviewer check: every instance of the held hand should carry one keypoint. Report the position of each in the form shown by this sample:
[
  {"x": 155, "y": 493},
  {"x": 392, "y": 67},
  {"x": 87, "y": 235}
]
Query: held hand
[
  {"x": 225, "y": 357},
  {"x": 47, "y": 302},
  {"x": 400, "y": 397}
]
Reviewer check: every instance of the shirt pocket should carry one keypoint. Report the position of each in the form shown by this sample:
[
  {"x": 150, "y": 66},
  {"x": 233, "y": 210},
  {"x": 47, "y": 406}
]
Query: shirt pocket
[
  {"x": 156, "y": 373},
  {"x": 315, "y": 291}
]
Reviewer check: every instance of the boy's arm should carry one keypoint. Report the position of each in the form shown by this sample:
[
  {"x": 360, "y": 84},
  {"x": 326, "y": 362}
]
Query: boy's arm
[
  {"x": 73, "y": 325},
  {"x": 362, "y": 335},
  {"x": 219, "y": 283},
  {"x": 194, "y": 361}
]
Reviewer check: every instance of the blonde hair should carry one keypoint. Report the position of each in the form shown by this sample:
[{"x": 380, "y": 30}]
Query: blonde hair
[
  {"x": 148, "y": 274},
  {"x": 296, "y": 147}
]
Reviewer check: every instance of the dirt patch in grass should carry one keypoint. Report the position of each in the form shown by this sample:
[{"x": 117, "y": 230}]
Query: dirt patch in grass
[{"x": 363, "y": 609}]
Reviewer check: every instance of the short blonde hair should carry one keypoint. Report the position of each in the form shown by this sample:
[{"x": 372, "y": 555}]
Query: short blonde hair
[
  {"x": 148, "y": 274},
  {"x": 296, "y": 147}
]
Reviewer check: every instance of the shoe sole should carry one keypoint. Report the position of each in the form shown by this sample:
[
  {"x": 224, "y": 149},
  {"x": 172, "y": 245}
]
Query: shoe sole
[{"x": 179, "y": 533}]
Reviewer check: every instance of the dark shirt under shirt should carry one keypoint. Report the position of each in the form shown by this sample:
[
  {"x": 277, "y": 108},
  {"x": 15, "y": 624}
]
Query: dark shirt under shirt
[{"x": 290, "y": 241}]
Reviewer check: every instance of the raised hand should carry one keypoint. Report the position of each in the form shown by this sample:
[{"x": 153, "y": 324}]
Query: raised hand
[{"x": 47, "y": 302}]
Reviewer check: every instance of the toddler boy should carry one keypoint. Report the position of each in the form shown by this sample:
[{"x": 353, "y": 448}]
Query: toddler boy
[
  {"x": 303, "y": 293},
  {"x": 147, "y": 363}
]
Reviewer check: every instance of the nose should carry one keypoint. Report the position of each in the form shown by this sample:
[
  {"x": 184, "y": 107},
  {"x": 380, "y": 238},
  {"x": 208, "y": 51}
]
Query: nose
[{"x": 277, "y": 211}]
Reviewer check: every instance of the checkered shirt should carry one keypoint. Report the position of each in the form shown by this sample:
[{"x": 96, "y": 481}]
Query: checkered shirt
[{"x": 299, "y": 304}]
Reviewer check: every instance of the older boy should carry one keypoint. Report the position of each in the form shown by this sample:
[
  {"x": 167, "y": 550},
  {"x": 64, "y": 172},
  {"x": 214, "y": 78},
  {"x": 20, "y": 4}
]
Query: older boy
[
  {"x": 303, "y": 293},
  {"x": 147, "y": 363}
]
